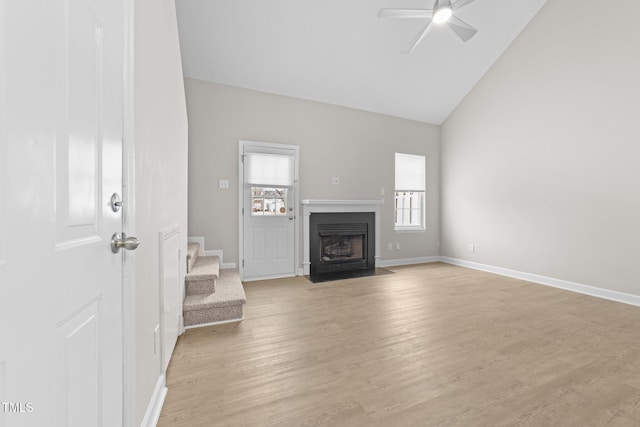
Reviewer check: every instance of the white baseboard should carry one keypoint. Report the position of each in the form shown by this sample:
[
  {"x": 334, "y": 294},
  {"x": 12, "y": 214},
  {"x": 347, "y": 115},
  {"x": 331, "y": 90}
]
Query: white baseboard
[
  {"x": 380, "y": 263},
  {"x": 535, "y": 278},
  {"x": 222, "y": 322},
  {"x": 152, "y": 415},
  {"x": 549, "y": 281},
  {"x": 408, "y": 261},
  {"x": 530, "y": 277},
  {"x": 197, "y": 239},
  {"x": 391, "y": 262},
  {"x": 275, "y": 276},
  {"x": 220, "y": 254},
  {"x": 211, "y": 252}
]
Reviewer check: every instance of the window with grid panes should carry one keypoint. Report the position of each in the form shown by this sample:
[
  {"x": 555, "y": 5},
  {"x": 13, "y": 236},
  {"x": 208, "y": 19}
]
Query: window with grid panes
[{"x": 409, "y": 203}]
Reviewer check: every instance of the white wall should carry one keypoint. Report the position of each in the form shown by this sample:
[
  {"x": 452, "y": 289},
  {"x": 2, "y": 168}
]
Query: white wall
[
  {"x": 160, "y": 172},
  {"x": 356, "y": 146},
  {"x": 541, "y": 161}
]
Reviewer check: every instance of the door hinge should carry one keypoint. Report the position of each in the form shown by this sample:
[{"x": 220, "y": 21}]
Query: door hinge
[
  {"x": 242, "y": 158},
  {"x": 242, "y": 211},
  {"x": 243, "y": 263}
]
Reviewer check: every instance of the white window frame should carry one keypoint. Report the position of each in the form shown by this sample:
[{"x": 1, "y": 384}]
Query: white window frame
[{"x": 408, "y": 187}]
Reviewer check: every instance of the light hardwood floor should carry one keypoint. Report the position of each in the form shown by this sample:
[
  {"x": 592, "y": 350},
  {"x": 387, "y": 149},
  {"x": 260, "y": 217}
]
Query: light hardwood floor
[{"x": 431, "y": 345}]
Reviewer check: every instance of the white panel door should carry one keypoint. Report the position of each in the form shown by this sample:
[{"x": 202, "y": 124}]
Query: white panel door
[
  {"x": 268, "y": 222},
  {"x": 268, "y": 240},
  {"x": 61, "y": 109},
  {"x": 268, "y": 249}
]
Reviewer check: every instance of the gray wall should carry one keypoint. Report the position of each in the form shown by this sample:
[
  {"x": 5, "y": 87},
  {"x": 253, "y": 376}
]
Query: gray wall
[
  {"x": 541, "y": 161},
  {"x": 160, "y": 173},
  {"x": 356, "y": 146}
]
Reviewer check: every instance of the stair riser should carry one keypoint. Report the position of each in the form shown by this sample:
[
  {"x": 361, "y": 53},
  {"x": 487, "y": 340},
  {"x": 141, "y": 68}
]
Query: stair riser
[
  {"x": 199, "y": 277},
  {"x": 218, "y": 314},
  {"x": 200, "y": 287}
]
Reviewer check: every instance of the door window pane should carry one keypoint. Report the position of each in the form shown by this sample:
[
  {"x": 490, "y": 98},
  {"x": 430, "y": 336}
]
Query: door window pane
[{"x": 270, "y": 201}]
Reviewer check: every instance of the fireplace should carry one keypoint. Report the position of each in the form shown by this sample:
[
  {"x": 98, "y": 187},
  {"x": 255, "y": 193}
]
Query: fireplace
[
  {"x": 312, "y": 207},
  {"x": 341, "y": 241}
]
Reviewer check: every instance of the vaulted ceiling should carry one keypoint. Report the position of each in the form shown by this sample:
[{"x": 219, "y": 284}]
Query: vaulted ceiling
[{"x": 340, "y": 52}]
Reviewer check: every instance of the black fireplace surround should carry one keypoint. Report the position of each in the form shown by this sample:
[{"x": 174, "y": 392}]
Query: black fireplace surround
[{"x": 340, "y": 242}]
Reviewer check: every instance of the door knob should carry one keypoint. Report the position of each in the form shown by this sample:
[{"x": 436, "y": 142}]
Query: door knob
[
  {"x": 291, "y": 218},
  {"x": 128, "y": 243}
]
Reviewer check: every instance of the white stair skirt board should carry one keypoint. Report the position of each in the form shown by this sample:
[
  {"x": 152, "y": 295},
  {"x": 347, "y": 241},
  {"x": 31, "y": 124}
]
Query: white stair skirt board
[
  {"x": 219, "y": 254},
  {"x": 549, "y": 281},
  {"x": 152, "y": 414},
  {"x": 199, "y": 240},
  {"x": 211, "y": 252}
]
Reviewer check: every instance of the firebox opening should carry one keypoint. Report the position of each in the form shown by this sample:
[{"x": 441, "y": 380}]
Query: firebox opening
[{"x": 341, "y": 248}]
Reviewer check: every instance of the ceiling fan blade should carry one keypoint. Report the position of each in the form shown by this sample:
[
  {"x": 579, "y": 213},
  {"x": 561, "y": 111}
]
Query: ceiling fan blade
[
  {"x": 461, "y": 3},
  {"x": 461, "y": 28},
  {"x": 405, "y": 13},
  {"x": 418, "y": 38}
]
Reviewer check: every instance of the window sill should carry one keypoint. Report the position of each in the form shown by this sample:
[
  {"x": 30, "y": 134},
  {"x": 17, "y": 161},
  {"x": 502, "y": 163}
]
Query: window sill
[{"x": 410, "y": 230}]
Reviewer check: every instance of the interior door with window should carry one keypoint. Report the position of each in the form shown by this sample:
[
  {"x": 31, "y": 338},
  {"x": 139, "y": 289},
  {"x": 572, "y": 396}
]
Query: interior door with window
[
  {"x": 61, "y": 120},
  {"x": 268, "y": 211}
]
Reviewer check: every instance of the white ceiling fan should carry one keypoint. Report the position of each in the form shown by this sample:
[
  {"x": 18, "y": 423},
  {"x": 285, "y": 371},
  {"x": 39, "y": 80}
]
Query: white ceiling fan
[{"x": 442, "y": 13}]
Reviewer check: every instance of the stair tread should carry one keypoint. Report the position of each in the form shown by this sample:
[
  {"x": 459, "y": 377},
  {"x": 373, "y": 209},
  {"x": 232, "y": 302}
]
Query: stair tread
[
  {"x": 205, "y": 268},
  {"x": 229, "y": 291}
]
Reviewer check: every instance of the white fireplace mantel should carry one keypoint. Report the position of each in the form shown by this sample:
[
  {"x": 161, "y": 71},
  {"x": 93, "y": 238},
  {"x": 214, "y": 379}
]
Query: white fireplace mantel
[{"x": 310, "y": 206}]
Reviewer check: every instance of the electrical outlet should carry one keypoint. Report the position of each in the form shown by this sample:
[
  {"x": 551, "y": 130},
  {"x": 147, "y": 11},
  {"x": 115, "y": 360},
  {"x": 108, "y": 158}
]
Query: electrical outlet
[
  {"x": 335, "y": 181},
  {"x": 472, "y": 248},
  {"x": 390, "y": 246},
  {"x": 224, "y": 183},
  {"x": 397, "y": 246}
]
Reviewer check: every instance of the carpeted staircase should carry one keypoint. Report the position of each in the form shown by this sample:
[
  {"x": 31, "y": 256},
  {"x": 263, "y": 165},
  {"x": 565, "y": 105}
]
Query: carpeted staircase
[{"x": 212, "y": 295}]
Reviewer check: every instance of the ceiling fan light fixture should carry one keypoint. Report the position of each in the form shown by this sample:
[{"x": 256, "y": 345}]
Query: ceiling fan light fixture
[{"x": 442, "y": 12}]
